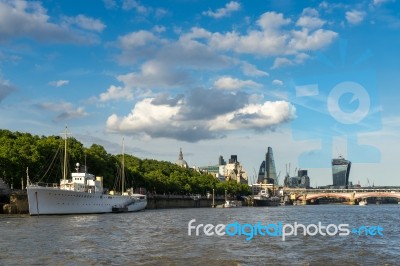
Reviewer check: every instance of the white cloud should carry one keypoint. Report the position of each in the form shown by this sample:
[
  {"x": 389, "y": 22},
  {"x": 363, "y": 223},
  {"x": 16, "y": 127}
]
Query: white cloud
[
  {"x": 5, "y": 88},
  {"x": 271, "y": 20},
  {"x": 116, "y": 93},
  {"x": 305, "y": 40},
  {"x": 380, "y": 2},
  {"x": 277, "y": 82},
  {"x": 132, "y": 4},
  {"x": 355, "y": 17},
  {"x": 58, "y": 83},
  {"x": 160, "y": 13},
  {"x": 183, "y": 119},
  {"x": 273, "y": 39},
  {"x": 256, "y": 116},
  {"x": 310, "y": 19},
  {"x": 280, "y": 62},
  {"x": 159, "y": 29},
  {"x": 252, "y": 71},
  {"x": 145, "y": 115},
  {"x": 155, "y": 74},
  {"x": 110, "y": 4},
  {"x": 229, "y": 83},
  {"x": 223, "y": 12},
  {"x": 65, "y": 110},
  {"x": 86, "y": 23},
  {"x": 200, "y": 49},
  {"x": 167, "y": 63},
  {"x": 136, "y": 39},
  {"x": 30, "y": 20}
]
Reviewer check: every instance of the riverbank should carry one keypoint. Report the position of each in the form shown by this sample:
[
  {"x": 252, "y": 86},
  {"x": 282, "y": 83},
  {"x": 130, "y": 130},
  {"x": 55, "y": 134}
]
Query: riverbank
[{"x": 18, "y": 203}]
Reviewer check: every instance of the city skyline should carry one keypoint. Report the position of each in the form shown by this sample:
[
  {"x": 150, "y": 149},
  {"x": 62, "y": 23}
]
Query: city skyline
[{"x": 312, "y": 80}]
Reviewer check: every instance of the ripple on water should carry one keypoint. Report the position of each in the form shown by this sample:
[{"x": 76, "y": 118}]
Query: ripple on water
[{"x": 161, "y": 237}]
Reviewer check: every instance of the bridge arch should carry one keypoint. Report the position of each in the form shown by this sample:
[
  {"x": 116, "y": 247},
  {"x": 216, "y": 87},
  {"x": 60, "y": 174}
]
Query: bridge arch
[{"x": 376, "y": 195}]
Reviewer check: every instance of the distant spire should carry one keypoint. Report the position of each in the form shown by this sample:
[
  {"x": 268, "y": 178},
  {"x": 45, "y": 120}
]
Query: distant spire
[{"x": 180, "y": 154}]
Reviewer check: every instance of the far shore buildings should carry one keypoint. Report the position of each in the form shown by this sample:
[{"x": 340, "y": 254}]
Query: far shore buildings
[
  {"x": 232, "y": 170},
  {"x": 300, "y": 181},
  {"x": 341, "y": 172},
  {"x": 267, "y": 173}
]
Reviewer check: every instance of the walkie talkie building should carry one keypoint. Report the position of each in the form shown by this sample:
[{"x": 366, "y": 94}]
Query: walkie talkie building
[{"x": 340, "y": 172}]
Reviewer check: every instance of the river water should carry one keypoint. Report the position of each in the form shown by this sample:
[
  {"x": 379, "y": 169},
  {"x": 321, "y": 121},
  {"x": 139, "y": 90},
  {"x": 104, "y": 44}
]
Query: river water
[{"x": 160, "y": 237}]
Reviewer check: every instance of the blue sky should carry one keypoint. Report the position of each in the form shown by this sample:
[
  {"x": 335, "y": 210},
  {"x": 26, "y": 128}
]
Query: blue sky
[{"x": 311, "y": 79}]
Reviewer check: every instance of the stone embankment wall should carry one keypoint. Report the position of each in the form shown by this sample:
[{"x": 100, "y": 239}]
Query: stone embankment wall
[{"x": 166, "y": 202}]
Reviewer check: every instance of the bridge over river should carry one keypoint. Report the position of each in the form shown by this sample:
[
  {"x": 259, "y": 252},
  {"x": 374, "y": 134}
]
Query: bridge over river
[{"x": 353, "y": 195}]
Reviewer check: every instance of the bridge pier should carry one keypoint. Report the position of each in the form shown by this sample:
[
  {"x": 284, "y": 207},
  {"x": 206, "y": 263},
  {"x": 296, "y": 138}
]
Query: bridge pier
[
  {"x": 352, "y": 200},
  {"x": 304, "y": 201}
]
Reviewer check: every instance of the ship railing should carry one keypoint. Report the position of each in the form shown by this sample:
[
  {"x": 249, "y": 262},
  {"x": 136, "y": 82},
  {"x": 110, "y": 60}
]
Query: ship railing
[{"x": 42, "y": 184}]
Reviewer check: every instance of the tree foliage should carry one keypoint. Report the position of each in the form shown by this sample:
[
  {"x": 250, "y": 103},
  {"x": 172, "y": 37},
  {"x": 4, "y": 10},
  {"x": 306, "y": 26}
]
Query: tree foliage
[{"x": 43, "y": 156}]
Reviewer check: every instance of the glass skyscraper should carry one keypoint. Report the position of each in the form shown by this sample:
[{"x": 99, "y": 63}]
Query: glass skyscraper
[
  {"x": 340, "y": 172},
  {"x": 267, "y": 171}
]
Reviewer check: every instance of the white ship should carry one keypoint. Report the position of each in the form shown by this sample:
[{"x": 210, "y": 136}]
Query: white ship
[{"x": 83, "y": 193}]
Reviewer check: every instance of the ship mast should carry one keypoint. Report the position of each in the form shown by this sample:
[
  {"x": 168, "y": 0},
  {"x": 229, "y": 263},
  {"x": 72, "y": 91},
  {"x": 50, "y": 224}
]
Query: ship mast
[
  {"x": 65, "y": 154},
  {"x": 123, "y": 166}
]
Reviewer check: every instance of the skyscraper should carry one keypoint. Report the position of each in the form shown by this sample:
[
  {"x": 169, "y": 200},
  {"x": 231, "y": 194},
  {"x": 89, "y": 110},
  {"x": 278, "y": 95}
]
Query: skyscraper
[
  {"x": 267, "y": 171},
  {"x": 341, "y": 172}
]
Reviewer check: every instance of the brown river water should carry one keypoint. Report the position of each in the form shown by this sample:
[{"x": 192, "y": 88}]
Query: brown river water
[{"x": 160, "y": 237}]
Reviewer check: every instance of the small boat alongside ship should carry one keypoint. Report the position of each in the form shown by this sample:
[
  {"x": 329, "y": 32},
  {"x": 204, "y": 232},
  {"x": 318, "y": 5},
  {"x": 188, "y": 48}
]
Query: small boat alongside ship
[{"x": 82, "y": 194}]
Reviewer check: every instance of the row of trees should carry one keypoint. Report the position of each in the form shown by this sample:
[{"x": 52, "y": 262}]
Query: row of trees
[{"x": 43, "y": 156}]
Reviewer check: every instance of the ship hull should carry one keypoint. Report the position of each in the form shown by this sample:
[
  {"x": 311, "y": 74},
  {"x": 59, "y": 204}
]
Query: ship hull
[
  {"x": 265, "y": 202},
  {"x": 49, "y": 200}
]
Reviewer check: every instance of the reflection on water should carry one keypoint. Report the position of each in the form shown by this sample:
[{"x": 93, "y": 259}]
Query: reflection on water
[{"x": 161, "y": 237}]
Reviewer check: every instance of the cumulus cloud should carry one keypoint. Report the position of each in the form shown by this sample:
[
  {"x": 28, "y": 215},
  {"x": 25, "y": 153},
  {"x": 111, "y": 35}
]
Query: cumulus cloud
[
  {"x": 283, "y": 61},
  {"x": 273, "y": 39},
  {"x": 253, "y": 71},
  {"x": 280, "y": 62},
  {"x": 166, "y": 63},
  {"x": 171, "y": 63},
  {"x": 310, "y": 19},
  {"x": 86, "y": 23},
  {"x": 30, "y": 19},
  {"x": 206, "y": 104},
  {"x": 277, "y": 82},
  {"x": 116, "y": 93},
  {"x": 223, "y": 12},
  {"x": 187, "y": 51},
  {"x": 5, "y": 89},
  {"x": 155, "y": 74},
  {"x": 355, "y": 16},
  {"x": 204, "y": 114},
  {"x": 380, "y": 2},
  {"x": 229, "y": 83},
  {"x": 58, "y": 83},
  {"x": 110, "y": 4},
  {"x": 64, "y": 110},
  {"x": 165, "y": 99},
  {"x": 132, "y": 4},
  {"x": 256, "y": 116}
]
